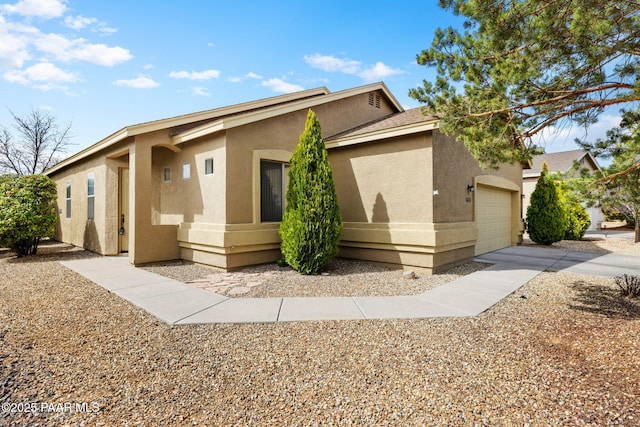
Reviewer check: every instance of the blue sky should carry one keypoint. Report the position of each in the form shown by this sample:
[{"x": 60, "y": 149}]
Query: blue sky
[{"x": 103, "y": 65}]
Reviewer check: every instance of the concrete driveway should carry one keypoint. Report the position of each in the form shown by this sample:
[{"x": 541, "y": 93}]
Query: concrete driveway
[{"x": 606, "y": 265}]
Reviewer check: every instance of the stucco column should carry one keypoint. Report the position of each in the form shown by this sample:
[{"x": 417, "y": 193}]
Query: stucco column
[
  {"x": 139, "y": 200},
  {"x": 147, "y": 242}
]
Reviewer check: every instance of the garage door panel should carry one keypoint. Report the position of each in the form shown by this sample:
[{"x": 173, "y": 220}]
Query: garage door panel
[{"x": 493, "y": 218}]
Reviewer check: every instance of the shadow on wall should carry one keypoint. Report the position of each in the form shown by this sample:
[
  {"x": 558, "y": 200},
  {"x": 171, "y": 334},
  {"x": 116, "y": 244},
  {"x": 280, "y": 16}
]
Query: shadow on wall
[
  {"x": 376, "y": 245},
  {"x": 91, "y": 242},
  {"x": 380, "y": 213}
]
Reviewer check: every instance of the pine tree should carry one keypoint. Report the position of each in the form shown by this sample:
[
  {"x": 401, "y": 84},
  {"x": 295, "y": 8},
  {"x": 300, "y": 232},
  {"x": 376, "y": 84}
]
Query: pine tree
[
  {"x": 311, "y": 226},
  {"x": 546, "y": 216},
  {"x": 516, "y": 68}
]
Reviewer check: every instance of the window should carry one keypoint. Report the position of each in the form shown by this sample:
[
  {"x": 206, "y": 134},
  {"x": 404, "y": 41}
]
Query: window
[
  {"x": 91, "y": 199},
  {"x": 208, "y": 166},
  {"x": 166, "y": 174},
  {"x": 186, "y": 171},
  {"x": 273, "y": 181},
  {"x": 68, "y": 199}
]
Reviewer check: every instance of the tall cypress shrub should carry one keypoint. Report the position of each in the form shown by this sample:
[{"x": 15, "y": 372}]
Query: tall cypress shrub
[
  {"x": 311, "y": 226},
  {"x": 546, "y": 216}
]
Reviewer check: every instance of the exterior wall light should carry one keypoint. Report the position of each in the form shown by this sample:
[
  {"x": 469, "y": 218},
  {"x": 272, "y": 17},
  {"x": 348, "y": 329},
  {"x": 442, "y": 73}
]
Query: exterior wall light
[{"x": 471, "y": 188}]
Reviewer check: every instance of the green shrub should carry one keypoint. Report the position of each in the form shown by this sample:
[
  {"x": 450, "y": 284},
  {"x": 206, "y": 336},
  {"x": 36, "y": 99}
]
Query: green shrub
[
  {"x": 27, "y": 212},
  {"x": 578, "y": 220},
  {"x": 546, "y": 217},
  {"x": 311, "y": 225}
]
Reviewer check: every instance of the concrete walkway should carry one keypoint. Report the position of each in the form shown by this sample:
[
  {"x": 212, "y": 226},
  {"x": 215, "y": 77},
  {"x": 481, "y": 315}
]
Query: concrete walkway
[{"x": 177, "y": 303}]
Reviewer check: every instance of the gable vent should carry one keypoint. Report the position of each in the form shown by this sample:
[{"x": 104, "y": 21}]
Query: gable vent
[{"x": 374, "y": 100}]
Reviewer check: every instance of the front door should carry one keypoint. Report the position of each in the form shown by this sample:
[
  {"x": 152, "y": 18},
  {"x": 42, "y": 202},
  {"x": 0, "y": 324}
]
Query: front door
[{"x": 123, "y": 217}]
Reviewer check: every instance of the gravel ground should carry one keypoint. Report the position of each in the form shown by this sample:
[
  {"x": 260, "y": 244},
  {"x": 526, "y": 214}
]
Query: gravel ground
[
  {"x": 340, "y": 278},
  {"x": 595, "y": 245},
  {"x": 564, "y": 350}
]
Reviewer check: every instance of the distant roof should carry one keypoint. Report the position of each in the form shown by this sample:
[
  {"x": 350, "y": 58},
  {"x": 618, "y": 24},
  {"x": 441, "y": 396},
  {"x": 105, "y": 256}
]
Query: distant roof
[{"x": 559, "y": 162}]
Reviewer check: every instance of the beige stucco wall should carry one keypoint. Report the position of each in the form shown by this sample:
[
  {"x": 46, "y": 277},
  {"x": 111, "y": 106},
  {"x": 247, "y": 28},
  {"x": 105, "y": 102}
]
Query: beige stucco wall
[
  {"x": 454, "y": 169},
  {"x": 283, "y": 133},
  {"x": 385, "y": 182},
  {"x": 100, "y": 234},
  {"x": 236, "y": 237},
  {"x": 148, "y": 241},
  {"x": 528, "y": 185},
  {"x": 405, "y": 201},
  {"x": 197, "y": 199}
]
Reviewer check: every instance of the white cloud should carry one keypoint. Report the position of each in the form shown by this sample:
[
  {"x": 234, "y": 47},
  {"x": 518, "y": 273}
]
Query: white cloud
[
  {"x": 101, "y": 54},
  {"x": 38, "y": 8},
  {"x": 79, "y": 22},
  {"x": 14, "y": 41},
  {"x": 278, "y": 85},
  {"x": 141, "y": 82},
  {"x": 66, "y": 50},
  {"x": 148, "y": 66},
  {"x": 555, "y": 139},
  {"x": 195, "y": 75},
  {"x": 378, "y": 72},
  {"x": 43, "y": 76},
  {"x": 249, "y": 75},
  {"x": 331, "y": 63},
  {"x": 200, "y": 91}
]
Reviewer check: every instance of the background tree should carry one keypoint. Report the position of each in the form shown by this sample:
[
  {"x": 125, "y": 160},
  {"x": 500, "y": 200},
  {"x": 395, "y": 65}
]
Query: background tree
[
  {"x": 27, "y": 212},
  {"x": 617, "y": 187},
  {"x": 546, "y": 217},
  {"x": 36, "y": 146},
  {"x": 521, "y": 66},
  {"x": 311, "y": 226}
]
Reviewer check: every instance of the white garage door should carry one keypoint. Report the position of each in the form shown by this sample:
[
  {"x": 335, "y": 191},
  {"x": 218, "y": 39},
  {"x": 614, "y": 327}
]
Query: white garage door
[{"x": 493, "y": 217}]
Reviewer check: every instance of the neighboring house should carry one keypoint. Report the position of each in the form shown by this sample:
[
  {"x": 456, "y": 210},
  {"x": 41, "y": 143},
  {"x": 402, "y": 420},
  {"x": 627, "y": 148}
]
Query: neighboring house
[
  {"x": 563, "y": 163},
  {"x": 209, "y": 187}
]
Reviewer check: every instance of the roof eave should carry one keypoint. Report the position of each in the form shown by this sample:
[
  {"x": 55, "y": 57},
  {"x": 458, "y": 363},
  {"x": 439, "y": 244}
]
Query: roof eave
[
  {"x": 279, "y": 109},
  {"x": 167, "y": 123},
  {"x": 383, "y": 134},
  {"x": 112, "y": 139}
]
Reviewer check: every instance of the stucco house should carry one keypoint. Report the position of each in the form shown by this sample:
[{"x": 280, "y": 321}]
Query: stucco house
[
  {"x": 563, "y": 163},
  {"x": 209, "y": 187}
]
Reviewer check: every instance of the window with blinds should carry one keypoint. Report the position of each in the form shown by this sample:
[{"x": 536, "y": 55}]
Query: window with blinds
[{"x": 273, "y": 181}]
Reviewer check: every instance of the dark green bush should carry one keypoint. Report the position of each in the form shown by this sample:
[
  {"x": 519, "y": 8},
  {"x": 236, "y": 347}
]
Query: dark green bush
[
  {"x": 546, "y": 217},
  {"x": 311, "y": 226},
  {"x": 27, "y": 212}
]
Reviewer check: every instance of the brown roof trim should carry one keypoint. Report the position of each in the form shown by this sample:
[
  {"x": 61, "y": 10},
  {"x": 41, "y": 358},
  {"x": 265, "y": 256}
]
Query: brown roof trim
[{"x": 399, "y": 124}]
